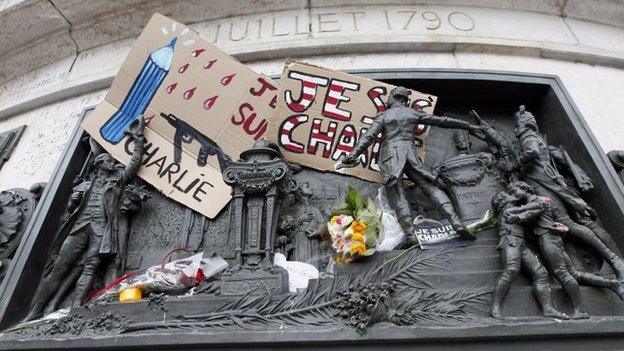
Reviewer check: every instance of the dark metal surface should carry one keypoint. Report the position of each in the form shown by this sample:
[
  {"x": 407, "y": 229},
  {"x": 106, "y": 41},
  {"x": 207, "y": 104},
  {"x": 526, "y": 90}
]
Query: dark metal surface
[
  {"x": 457, "y": 283},
  {"x": 8, "y": 142}
]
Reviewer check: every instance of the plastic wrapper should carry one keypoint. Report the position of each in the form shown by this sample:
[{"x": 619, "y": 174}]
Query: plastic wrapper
[
  {"x": 299, "y": 273},
  {"x": 174, "y": 277},
  {"x": 392, "y": 234}
]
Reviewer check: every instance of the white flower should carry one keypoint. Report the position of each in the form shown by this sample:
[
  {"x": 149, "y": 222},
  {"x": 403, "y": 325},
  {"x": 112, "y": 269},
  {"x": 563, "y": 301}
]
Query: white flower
[
  {"x": 345, "y": 220},
  {"x": 348, "y": 232}
]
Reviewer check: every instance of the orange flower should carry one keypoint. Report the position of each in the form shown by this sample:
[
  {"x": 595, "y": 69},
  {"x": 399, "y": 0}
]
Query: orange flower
[
  {"x": 358, "y": 226},
  {"x": 357, "y": 248},
  {"x": 358, "y": 237},
  {"x": 339, "y": 244}
]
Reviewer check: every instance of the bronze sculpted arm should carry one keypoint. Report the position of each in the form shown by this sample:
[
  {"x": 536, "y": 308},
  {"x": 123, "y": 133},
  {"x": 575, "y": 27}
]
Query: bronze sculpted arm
[
  {"x": 525, "y": 213},
  {"x": 74, "y": 200},
  {"x": 443, "y": 121},
  {"x": 366, "y": 140},
  {"x": 137, "y": 155},
  {"x": 559, "y": 156}
]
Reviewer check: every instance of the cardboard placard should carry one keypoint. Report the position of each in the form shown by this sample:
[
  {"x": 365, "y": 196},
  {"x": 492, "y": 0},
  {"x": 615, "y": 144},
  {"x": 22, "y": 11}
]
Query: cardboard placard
[
  {"x": 202, "y": 108},
  {"x": 322, "y": 113}
]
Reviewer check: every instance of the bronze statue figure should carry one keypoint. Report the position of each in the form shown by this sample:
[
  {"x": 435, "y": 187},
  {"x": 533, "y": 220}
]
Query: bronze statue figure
[
  {"x": 616, "y": 157},
  {"x": 540, "y": 165},
  {"x": 92, "y": 228},
  {"x": 398, "y": 156},
  {"x": 515, "y": 254},
  {"x": 309, "y": 220},
  {"x": 549, "y": 235}
]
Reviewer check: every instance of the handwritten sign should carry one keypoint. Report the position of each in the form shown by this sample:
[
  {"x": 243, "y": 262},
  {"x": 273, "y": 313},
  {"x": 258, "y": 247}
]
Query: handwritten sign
[
  {"x": 202, "y": 109},
  {"x": 322, "y": 113}
]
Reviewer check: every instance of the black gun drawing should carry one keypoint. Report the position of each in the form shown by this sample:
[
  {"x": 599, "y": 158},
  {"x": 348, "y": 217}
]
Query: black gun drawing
[{"x": 186, "y": 133}]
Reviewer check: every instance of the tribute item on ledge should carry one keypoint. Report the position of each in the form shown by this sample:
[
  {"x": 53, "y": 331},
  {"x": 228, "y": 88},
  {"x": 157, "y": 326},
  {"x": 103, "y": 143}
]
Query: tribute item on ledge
[{"x": 284, "y": 228}]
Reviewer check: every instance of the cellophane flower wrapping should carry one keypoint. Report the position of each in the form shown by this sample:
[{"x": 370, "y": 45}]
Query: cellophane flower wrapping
[
  {"x": 174, "y": 277},
  {"x": 354, "y": 228}
]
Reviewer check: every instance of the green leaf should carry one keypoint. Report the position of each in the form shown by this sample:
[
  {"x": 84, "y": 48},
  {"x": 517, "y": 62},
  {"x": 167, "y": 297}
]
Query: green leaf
[
  {"x": 354, "y": 200},
  {"x": 488, "y": 220},
  {"x": 371, "y": 218},
  {"x": 370, "y": 205},
  {"x": 368, "y": 252},
  {"x": 340, "y": 211},
  {"x": 372, "y": 235}
]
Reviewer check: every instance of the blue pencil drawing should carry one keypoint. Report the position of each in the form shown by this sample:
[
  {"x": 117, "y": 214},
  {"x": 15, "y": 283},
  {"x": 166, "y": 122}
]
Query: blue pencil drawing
[{"x": 143, "y": 89}]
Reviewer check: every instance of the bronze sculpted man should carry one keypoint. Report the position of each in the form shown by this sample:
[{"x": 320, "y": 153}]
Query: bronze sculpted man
[
  {"x": 540, "y": 165},
  {"x": 516, "y": 255},
  {"x": 398, "y": 156},
  {"x": 549, "y": 236},
  {"x": 92, "y": 226}
]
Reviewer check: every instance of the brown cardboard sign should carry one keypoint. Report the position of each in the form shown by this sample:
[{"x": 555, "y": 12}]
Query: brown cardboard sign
[
  {"x": 322, "y": 113},
  {"x": 202, "y": 109}
]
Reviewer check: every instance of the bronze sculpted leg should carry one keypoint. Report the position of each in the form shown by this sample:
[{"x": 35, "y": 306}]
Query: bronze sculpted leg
[
  {"x": 601, "y": 233},
  {"x": 72, "y": 248},
  {"x": 510, "y": 251},
  {"x": 591, "y": 279},
  {"x": 398, "y": 200},
  {"x": 589, "y": 237},
  {"x": 551, "y": 246},
  {"x": 440, "y": 200},
  {"x": 589, "y": 232},
  {"x": 541, "y": 288},
  {"x": 91, "y": 265}
]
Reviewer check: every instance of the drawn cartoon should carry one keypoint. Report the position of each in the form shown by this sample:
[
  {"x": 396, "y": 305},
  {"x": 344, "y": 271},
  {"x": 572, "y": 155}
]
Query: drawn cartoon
[{"x": 144, "y": 88}]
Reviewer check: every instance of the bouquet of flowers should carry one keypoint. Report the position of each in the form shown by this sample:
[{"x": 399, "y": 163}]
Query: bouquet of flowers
[{"x": 354, "y": 229}]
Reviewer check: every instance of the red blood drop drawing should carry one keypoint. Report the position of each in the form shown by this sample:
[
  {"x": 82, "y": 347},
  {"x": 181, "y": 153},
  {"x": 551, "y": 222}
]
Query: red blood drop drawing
[
  {"x": 209, "y": 102},
  {"x": 189, "y": 93},
  {"x": 198, "y": 52},
  {"x": 227, "y": 79},
  {"x": 148, "y": 119},
  {"x": 183, "y": 69},
  {"x": 209, "y": 64},
  {"x": 171, "y": 87}
]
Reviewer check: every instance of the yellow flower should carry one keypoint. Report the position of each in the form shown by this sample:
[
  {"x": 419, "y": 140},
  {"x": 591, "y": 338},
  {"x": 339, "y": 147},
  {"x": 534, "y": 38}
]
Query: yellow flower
[
  {"x": 358, "y": 237},
  {"x": 333, "y": 219},
  {"x": 358, "y": 226},
  {"x": 357, "y": 248}
]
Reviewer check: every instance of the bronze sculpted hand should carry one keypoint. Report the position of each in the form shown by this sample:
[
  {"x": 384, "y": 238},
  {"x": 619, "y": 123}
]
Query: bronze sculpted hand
[
  {"x": 136, "y": 128},
  {"x": 590, "y": 212},
  {"x": 478, "y": 128},
  {"x": 348, "y": 161},
  {"x": 586, "y": 185},
  {"x": 511, "y": 218}
]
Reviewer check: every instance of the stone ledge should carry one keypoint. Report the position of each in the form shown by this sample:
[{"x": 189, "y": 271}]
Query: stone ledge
[
  {"x": 95, "y": 69},
  {"x": 595, "y": 333},
  {"x": 88, "y": 25}
]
